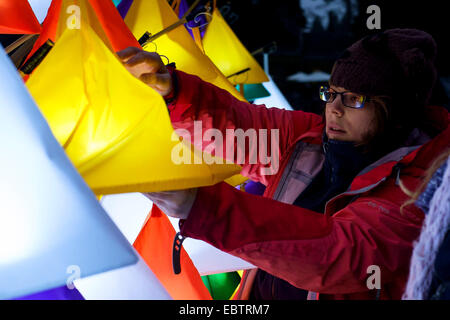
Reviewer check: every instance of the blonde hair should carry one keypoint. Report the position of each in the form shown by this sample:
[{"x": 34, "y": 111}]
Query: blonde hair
[{"x": 414, "y": 195}]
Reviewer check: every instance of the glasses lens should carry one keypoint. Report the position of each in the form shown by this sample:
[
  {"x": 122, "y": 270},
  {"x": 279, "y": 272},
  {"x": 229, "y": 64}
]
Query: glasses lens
[
  {"x": 354, "y": 100},
  {"x": 325, "y": 94}
]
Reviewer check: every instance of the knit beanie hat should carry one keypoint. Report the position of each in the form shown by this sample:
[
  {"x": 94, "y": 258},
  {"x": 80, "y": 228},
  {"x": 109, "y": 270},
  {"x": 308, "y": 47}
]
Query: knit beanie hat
[{"x": 398, "y": 63}]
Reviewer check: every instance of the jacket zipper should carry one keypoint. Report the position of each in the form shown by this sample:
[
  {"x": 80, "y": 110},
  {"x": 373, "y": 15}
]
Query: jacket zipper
[{"x": 285, "y": 173}]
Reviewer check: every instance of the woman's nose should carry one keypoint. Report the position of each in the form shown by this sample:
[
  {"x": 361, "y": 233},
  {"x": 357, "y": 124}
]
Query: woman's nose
[{"x": 336, "y": 107}]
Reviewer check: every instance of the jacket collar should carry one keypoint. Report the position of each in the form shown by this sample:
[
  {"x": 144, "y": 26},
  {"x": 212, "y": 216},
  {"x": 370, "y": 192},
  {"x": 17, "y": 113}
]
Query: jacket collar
[{"x": 418, "y": 148}]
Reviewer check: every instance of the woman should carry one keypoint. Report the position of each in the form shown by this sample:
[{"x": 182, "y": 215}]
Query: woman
[{"x": 329, "y": 221}]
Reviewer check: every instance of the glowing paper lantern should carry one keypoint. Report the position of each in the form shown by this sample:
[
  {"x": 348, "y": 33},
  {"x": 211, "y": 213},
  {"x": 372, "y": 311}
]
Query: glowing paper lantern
[
  {"x": 52, "y": 227},
  {"x": 114, "y": 128},
  {"x": 254, "y": 91},
  {"x": 17, "y": 17},
  {"x": 102, "y": 16},
  {"x": 40, "y": 8},
  {"x": 150, "y": 244},
  {"x": 129, "y": 212},
  {"x": 276, "y": 98},
  {"x": 135, "y": 282},
  {"x": 177, "y": 45},
  {"x": 227, "y": 52}
]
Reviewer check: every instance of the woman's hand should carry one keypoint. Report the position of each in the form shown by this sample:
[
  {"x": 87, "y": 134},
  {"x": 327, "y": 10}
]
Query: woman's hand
[
  {"x": 176, "y": 204},
  {"x": 148, "y": 67}
]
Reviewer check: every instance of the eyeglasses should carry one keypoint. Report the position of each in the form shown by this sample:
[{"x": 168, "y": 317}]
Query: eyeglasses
[{"x": 348, "y": 98}]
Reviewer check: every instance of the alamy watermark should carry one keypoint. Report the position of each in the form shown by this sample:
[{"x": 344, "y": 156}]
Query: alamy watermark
[
  {"x": 74, "y": 20},
  {"x": 238, "y": 146},
  {"x": 374, "y": 280},
  {"x": 374, "y": 20},
  {"x": 74, "y": 272}
]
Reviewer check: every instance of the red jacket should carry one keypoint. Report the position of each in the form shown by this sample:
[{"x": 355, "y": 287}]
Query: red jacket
[{"x": 329, "y": 253}]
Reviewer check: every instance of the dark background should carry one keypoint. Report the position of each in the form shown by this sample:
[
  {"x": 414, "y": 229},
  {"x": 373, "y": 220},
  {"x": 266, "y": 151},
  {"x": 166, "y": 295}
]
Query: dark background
[
  {"x": 304, "y": 42},
  {"x": 306, "y": 46}
]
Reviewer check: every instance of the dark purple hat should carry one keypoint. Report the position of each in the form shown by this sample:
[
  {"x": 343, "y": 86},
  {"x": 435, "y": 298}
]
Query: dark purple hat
[{"x": 398, "y": 63}]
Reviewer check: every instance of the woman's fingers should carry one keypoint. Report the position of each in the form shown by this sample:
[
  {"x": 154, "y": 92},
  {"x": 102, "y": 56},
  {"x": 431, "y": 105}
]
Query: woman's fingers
[
  {"x": 161, "y": 82},
  {"x": 127, "y": 53},
  {"x": 176, "y": 204},
  {"x": 141, "y": 63},
  {"x": 150, "y": 58},
  {"x": 148, "y": 67}
]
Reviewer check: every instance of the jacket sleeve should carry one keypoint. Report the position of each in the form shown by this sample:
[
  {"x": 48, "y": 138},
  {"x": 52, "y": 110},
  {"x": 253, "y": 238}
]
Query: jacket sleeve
[
  {"x": 312, "y": 251},
  {"x": 199, "y": 106}
]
